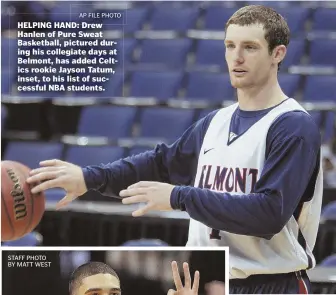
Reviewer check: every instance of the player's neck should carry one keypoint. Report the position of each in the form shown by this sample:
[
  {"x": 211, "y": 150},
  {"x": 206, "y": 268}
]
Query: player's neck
[{"x": 260, "y": 98}]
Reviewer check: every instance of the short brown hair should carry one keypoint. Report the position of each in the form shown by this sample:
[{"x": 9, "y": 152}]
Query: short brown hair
[
  {"x": 276, "y": 28},
  {"x": 87, "y": 270}
]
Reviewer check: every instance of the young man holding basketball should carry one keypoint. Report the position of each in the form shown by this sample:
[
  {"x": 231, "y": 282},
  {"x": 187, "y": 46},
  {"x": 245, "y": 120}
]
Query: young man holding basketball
[{"x": 249, "y": 175}]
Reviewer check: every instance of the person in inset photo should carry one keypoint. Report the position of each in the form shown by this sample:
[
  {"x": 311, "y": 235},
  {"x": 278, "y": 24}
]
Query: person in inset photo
[
  {"x": 97, "y": 278},
  {"x": 94, "y": 278}
]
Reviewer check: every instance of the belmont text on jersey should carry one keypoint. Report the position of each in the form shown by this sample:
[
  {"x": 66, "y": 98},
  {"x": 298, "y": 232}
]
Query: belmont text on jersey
[{"x": 228, "y": 179}]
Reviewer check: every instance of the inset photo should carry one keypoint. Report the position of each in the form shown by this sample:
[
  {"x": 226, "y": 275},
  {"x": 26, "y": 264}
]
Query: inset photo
[{"x": 115, "y": 272}]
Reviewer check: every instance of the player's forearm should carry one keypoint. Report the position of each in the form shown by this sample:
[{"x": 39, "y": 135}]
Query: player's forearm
[
  {"x": 249, "y": 214},
  {"x": 174, "y": 164},
  {"x": 111, "y": 178}
]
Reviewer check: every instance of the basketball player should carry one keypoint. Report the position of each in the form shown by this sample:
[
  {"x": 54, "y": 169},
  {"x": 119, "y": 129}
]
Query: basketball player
[
  {"x": 94, "y": 278},
  {"x": 249, "y": 175}
]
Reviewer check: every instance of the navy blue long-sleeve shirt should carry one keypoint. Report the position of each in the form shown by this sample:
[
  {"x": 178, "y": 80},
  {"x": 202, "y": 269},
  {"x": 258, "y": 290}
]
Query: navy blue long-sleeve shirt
[{"x": 288, "y": 178}]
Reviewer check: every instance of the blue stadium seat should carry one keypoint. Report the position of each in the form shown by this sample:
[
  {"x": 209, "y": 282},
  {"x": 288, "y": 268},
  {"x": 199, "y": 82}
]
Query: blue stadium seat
[
  {"x": 289, "y": 83},
  {"x": 67, "y": 11},
  {"x": 31, "y": 153},
  {"x": 329, "y": 211},
  {"x": 8, "y": 22},
  {"x": 320, "y": 88},
  {"x": 38, "y": 7},
  {"x": 93, "y": 155},
  {"x": 161, "y": 85},
  {"x": 294, "y": 53},
  {"x": 138, "y": 150},
  {"x": 172, "y": 4},
  {"x": 211, "y": 53},
  {"x": 330, "y": 261},
  {"x": 324, "y": 19},
  {"x": 169, "y": 52},
  {"x": 114, "y": 86},
  {"x": 109, "y": 121},
  {"x": 165, "y": 123},
  {"x": 295, "y": 16},
  {"x": 54, "y": 194},
  {"x": 148, "y": 4},
  {"x": 132, "y": 19},
  {"x": 177, "y": 19},
  {"x": 228, "y": 3},
  {"x": 327, "y": 126},
  {"x": 209, "y": 86},
  {"x": 9, "y": 50},
  {"x": 322, "y": 52},
  {"x": 7, "y": 81},
  {"x": 125, "y": 49},
  {"x": 216, "y": 17},
  {"x": 135, "y": 18},
  {"x": 3, "y": 117}
]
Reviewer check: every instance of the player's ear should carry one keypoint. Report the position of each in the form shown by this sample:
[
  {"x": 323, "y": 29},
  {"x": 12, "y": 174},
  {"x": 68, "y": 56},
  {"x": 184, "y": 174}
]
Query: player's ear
[{"x": 279, "y": 53}]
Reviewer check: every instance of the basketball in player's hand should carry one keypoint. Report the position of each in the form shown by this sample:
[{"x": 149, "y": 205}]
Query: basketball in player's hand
[{"x": 21, "y": 211}]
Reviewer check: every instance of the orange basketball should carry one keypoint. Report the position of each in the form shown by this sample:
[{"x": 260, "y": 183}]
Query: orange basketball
[{"x": 21, "y": 211}]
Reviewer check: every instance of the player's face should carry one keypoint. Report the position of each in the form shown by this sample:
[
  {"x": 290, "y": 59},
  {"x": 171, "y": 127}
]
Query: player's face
[
  {"x": 100, "y": 284},
  {"x": 247, "y": 56}
]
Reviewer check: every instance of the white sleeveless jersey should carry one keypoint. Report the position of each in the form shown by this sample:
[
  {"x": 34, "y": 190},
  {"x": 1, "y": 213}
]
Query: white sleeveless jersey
[{"x": 252, "y": 255}]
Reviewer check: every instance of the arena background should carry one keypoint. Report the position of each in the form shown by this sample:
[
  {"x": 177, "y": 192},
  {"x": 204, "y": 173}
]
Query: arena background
[
  {"x": 173, "y": 72},
  {"x": 140, "y": 272}
]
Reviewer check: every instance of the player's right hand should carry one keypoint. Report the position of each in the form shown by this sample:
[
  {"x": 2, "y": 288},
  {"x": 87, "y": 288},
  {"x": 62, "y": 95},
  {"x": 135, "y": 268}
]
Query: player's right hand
[
  {"x": 58, "y": 174},
  {"x": 188, "y": 288}
]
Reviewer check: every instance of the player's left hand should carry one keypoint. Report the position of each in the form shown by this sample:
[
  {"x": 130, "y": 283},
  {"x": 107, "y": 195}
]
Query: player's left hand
[{"x": 155, "y": 194}]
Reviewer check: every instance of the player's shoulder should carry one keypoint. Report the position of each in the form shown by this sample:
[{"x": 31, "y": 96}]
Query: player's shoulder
[
  {"x": 205, "y": 120},
  {"x": 296, "y": 123},
  {"x": 296, "y": 119},
  {"x": 209, "y": 115},
  {"x": 200, "y": 127},
  {"x": 220, "y": 112}
]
